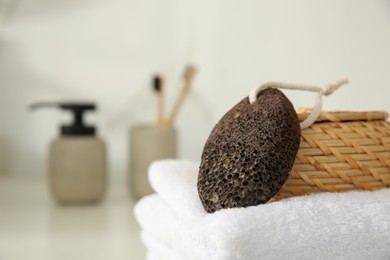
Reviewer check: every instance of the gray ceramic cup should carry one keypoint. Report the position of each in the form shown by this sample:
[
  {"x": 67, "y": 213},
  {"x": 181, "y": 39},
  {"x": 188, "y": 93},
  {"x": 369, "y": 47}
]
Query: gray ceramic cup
[{"x": 148, "y": 144}]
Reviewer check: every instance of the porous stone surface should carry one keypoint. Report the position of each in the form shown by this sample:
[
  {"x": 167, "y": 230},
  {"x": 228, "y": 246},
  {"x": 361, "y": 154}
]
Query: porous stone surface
[{"x": 249, "y": 153}]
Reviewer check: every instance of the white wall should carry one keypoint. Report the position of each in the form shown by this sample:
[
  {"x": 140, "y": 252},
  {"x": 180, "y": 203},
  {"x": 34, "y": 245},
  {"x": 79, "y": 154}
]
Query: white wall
[{"x": 107, "y": 51}]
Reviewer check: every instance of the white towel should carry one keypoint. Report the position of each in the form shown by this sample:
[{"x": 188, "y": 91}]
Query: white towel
[
  {"x": 157, "y": 250},
  {"x": 353, "y": 225}
]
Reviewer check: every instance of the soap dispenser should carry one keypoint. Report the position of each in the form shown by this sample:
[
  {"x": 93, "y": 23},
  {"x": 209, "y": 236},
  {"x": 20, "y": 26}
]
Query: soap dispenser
[{"x": 77, "y": 159}]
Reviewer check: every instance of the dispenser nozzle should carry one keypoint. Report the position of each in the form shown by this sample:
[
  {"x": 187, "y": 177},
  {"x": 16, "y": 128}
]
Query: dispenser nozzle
[
  {"x": 77, "y": 128},
  {"x": 38, "y": 105}
]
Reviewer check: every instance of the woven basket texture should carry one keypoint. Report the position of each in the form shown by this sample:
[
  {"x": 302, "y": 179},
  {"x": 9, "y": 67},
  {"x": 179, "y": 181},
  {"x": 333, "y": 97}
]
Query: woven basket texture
[{"x": 341, "y": 151}]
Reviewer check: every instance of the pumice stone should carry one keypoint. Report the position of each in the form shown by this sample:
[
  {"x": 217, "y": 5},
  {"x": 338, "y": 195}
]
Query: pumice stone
[{"x": 249, "y": 153}]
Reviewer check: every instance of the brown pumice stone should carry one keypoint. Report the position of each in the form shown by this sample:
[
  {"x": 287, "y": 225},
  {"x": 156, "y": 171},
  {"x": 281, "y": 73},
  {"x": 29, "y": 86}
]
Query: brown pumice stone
[{"x": 249, "y": 153}]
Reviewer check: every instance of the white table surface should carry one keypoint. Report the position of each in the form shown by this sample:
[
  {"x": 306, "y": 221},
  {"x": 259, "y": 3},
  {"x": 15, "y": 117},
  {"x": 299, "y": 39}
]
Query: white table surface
[{"x": 33, "y": 226}]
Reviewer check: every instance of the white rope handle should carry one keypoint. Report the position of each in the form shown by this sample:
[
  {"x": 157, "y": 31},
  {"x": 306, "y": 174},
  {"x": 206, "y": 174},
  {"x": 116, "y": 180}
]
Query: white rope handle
[{"x": 327, "y": 90}]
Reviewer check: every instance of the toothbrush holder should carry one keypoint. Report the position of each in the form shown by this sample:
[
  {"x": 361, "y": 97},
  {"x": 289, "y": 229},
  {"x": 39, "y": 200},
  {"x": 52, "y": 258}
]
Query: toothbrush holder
[{"x": 147, "y": 144}]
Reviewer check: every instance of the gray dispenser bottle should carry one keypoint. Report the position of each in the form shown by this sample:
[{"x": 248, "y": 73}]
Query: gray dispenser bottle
[{"x": 77, "y": 159}]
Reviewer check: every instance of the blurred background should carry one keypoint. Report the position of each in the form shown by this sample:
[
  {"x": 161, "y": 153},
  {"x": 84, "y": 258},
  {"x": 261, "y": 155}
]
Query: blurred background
[{"x": 108, "y": 51}]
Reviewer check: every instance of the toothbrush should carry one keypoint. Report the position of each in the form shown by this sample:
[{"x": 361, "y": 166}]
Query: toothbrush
[
  {"x": 158, "y": 88},
  {"x": 188, "y": 77}
]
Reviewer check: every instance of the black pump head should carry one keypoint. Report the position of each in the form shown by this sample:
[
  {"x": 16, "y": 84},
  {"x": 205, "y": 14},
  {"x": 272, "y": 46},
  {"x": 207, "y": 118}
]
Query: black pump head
[{"x": 77, "y": 128}]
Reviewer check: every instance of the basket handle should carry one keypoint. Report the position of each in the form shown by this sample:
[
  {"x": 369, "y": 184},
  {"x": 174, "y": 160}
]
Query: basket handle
[{"x": 327, "y": 90}]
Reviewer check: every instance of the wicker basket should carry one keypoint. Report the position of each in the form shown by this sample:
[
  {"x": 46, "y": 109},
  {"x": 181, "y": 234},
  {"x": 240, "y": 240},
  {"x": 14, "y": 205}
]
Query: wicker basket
[{"x": 341, "y": 151}]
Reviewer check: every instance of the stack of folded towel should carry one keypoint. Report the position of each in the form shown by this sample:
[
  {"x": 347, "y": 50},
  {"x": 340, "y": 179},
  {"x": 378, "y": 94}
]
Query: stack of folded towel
[{"x": 353, "y": 225}]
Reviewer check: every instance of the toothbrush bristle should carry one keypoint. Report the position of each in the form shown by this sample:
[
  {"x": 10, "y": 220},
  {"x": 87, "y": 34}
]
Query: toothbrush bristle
[{"x": 157, "y": 83}]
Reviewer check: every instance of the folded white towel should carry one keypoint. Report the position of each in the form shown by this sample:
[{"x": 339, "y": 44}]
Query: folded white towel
[
  {"x": 175, "y": 181},
  {"x": 158, "y": 250},
  {"x": 157, "y": 223},
  {"x": 354, "y": 225}
]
